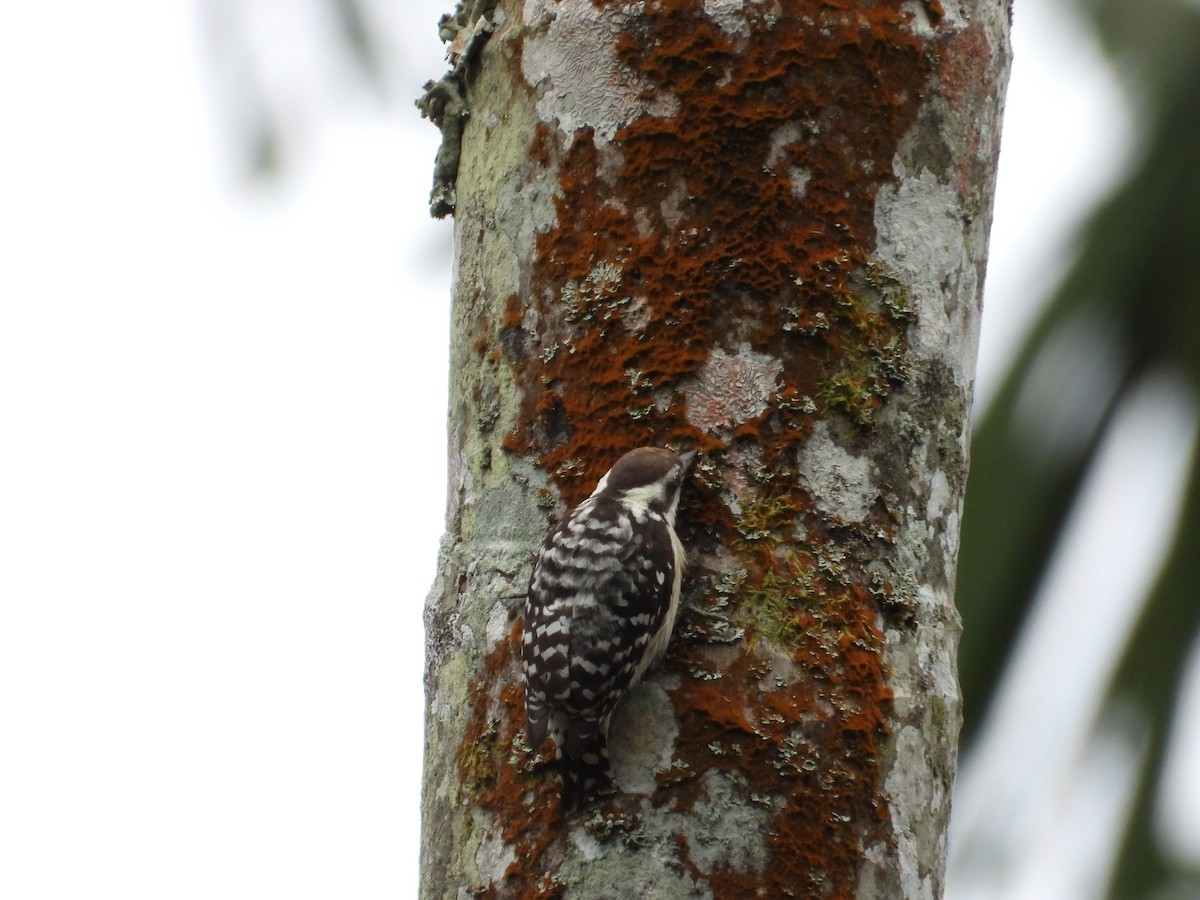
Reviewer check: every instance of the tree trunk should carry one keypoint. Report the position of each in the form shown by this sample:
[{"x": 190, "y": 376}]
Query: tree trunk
[{"x": 757, "y": 229}]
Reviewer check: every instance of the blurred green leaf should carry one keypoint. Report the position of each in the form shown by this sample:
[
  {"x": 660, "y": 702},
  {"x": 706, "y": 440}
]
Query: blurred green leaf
[{"x": 1129, "y": 307}]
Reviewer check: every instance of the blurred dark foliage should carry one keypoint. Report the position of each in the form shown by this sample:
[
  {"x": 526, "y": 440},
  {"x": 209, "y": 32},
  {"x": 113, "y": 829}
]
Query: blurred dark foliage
[{"x": 1128, "y": 309}]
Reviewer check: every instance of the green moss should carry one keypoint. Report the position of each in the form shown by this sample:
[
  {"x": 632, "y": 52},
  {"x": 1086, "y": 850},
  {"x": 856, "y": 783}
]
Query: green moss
[
  {"x": 892, "y": 292},
  {"x": 775, "y": 605},
  {"x": 765, "y": 515},
  {"x": 852, "y": 392},
  {"x": 871, "y": 321}
]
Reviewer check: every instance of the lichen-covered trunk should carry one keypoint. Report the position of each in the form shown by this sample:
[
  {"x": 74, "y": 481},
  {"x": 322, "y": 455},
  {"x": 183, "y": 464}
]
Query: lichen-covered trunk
[{"x": 757, "y": 229}]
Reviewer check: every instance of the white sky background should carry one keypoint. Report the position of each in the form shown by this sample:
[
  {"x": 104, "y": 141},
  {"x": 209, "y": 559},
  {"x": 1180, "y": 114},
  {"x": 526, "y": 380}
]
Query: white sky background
[{"x": 222, "y": 455}]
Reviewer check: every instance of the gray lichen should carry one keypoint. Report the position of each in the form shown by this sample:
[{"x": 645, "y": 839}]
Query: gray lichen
[{"x": 444, "y": 101}]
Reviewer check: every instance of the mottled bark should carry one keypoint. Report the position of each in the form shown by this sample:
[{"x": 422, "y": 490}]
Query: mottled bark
[{"x": 758, "y": 229}]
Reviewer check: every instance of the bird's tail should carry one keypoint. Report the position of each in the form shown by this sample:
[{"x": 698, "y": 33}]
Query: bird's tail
[
  {"x": 585, "y": 778},
  {"x": 583, "y": 764}
]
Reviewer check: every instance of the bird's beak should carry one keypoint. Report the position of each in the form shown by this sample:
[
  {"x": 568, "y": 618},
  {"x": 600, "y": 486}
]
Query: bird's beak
[{"x": 687, "y": 459}]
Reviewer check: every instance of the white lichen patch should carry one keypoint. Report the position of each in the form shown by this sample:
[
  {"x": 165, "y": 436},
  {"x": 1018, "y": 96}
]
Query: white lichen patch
[
  {"x": 783, "y": 671},
  {"x": 570, "y": 58},
  {"x": 939, "y": 497},
  {"x": 909, "y": 789},
  {"x": 637, "y": 314},
  {"x": 642, "y": 738},
  {"x": 595, "y": 297},
  {"x": 657, "y": 876},
  {"x": 589, "y": 848},
  {"x": 494, "y": 855},
  {"x": 799, "y": 176},
  {"x": 497, "y": 623},
  {"x": 672, "y": 204},
  {"x": 726, "y": 828},
  {"x": 942, "y": 514},
  {"x": 918, "y": 19},
  {"x": 921, "y": 239},
  {"x": 729, "y": 15},
  {"x": 786, "y": 134},
  {"x": 841, "y": 484},
  {"x": 781, "y": 138},
  {"x": 732, "y": 389},
  {"x": 937, "y": 675}
]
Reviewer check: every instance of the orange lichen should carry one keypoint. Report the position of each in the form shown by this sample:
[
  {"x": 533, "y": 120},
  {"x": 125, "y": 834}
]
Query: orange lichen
[
  {"x": 707, "y": 240},
  {"x": 494, "y": 767}
]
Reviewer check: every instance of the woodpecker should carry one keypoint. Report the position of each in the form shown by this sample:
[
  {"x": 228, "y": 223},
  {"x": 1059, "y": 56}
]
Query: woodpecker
[{"x": 603, "y": 598}]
